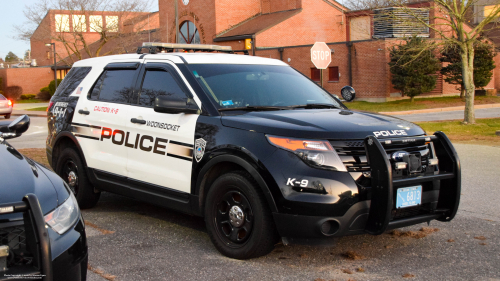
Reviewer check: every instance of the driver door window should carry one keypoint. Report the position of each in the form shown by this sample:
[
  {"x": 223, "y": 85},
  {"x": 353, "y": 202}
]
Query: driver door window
[{"x": 158, "y": 83}]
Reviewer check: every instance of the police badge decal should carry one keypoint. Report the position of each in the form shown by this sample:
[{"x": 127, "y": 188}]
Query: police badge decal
[{"x": 199, "y": 149}]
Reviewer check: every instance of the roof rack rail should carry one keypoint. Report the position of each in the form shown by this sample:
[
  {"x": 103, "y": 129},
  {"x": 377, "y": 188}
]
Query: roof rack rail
[{"x": 154, "y": 48}]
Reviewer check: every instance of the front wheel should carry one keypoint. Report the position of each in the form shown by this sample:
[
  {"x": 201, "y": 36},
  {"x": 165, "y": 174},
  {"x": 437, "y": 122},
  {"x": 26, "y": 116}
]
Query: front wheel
[
  {"x": 237, "y": 217},
  {"x": 70, "y": 168}
]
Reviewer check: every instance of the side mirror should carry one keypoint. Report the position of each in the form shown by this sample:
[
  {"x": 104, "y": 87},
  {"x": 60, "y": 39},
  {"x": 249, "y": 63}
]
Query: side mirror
[
  {"x": 348, "y": 93},
  {"x": 169, "y": 104},
  {"x": 16, "y": 128}
]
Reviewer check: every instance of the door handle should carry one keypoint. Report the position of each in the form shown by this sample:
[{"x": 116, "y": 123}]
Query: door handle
[
  {"x": 138, "y": 121},
  {"x": 84, "y": 112}
]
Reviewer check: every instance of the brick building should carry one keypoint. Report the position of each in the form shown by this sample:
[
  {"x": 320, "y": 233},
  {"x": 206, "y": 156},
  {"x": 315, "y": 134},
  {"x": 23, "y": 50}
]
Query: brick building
[
  {"x": 287, "y": 29},
  {"x": 124, "y": 32}
]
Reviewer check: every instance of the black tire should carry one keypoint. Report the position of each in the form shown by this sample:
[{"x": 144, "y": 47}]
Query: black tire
[
  {"x": 7, "y": 116},
  {"x": 255, "y": 235},
  {"x": 69, "y": 161}
]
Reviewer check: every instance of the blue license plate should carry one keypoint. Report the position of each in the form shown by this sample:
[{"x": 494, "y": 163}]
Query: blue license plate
[{"x": 409, "y": 196}]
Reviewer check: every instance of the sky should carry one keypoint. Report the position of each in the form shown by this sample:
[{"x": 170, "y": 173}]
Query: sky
[{"x": 12, "y": 14}]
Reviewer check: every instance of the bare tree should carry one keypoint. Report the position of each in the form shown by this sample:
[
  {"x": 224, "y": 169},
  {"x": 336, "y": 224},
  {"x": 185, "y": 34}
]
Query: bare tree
[
  {"x": 112, "y": 20},
  {"x": 450, "y": 25}
]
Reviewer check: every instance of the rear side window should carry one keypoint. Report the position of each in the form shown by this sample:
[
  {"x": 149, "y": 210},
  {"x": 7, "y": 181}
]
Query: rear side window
[
  {"x": 2, "y": 97},
  {"x": 159, "y": 83},
  {"x": 71, "y": 81},
  {"x": 114, "y": 86}
]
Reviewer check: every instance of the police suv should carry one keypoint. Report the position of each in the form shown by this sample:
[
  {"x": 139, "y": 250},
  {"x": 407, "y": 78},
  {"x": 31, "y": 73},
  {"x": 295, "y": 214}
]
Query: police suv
[{"x": 250, "y": 144}]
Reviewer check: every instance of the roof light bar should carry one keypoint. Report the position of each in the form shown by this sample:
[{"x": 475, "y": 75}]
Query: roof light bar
[{"x": 156, "y": 46}]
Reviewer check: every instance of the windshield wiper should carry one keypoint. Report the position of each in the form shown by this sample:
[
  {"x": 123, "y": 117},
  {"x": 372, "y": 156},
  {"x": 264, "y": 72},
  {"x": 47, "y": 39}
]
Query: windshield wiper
[
  {"x": 315, "y": 105},
  {"x": 250, "y": 108}
]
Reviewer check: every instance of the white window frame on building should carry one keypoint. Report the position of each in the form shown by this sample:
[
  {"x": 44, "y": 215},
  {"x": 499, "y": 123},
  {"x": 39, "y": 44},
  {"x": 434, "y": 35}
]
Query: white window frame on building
[
  {"x": 79, "y": 23},
  {"x": 62, "y": 23},
  {"x": 95, "y": 23},
  {"x": 112, "y": 23}
]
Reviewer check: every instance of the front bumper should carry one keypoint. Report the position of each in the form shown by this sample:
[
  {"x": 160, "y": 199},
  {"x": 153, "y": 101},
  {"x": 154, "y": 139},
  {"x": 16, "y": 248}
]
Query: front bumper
[
  {"x": 43, "y": 252},
  {"x": 378, "y": 214}
]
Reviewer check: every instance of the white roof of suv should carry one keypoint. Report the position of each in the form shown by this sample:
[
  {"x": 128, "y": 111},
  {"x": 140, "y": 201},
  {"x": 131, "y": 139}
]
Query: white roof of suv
[{"x": 190, "y": 58}]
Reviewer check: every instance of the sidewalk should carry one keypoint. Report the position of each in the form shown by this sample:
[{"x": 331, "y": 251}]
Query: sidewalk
[
  {"x": 443, "y": 109},
  {"x": 29, "y": 113}
]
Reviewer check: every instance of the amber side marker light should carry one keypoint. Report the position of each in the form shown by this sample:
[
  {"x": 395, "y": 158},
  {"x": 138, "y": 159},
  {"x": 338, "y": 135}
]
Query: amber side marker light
[{"x": 315, "y": 153}]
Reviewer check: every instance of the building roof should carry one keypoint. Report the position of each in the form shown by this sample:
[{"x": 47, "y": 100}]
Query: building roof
[{"x": 255, "y": 25}]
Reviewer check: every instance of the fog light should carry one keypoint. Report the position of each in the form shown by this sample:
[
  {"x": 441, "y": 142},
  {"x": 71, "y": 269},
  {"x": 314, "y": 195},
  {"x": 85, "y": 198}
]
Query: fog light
[
  {"x": 400, "y": 165},
  {"x": 329, "y": 227},
  {"x": 433, "y": 162}
]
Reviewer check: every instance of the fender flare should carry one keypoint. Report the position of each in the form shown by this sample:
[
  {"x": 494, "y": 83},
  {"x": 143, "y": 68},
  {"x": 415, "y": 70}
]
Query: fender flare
[
  {"x": 69, "y": 135},
  {"x": 251, "y": 169}
]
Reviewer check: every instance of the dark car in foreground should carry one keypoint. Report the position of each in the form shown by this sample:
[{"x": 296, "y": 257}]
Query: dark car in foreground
[{"x": 42, "y": 233}]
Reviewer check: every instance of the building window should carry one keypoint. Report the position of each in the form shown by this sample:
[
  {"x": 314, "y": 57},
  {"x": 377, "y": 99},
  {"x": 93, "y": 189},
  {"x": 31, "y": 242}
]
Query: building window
[
  {"x": 61, "y": 73},
  {"x": 79, "y": 23},
  {"x": 333, "y": 74},
  {"x": 112, "y": 23},
  {"x": 62, "y": 23},
  {"x": 315, "y": 74},
  {"x": 188, "y": 33},
  {"x": 95, "y": 23},
  {"x": 488, "y": 10}
]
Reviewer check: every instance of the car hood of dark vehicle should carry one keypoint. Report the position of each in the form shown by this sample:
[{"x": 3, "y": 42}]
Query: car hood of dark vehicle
[
  {"x": 320, "y": 123},
  {"x": 20, "y": 176}
]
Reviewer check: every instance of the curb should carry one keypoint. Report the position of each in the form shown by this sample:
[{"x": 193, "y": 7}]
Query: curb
[
  {"x": 30, "y": 114},
  {"x": 444, "y": 109}
]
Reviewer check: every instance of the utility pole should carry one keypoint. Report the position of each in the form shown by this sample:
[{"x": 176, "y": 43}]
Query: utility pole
[
  {"x": 55, "y": 62},
  {"x": 176, "y": 22}
]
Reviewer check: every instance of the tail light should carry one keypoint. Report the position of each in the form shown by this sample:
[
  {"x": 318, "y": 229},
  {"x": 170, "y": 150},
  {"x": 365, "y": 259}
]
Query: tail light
[
  {"x": 10, "y": 103},
  {"x": 50, "y": 106}
]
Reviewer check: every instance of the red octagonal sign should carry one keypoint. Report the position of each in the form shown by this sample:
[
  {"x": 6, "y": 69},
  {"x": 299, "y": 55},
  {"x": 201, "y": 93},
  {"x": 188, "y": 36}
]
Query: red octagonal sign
[{"x": 321, "y": 55}]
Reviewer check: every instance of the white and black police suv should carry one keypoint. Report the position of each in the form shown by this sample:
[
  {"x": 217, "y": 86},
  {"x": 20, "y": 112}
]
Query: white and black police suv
[{"x": 250, "y": 144}]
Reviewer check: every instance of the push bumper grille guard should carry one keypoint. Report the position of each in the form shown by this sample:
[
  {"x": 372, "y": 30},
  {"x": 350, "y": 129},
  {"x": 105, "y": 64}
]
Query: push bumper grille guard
[
  {"x": 379, "y": 219},
  {"x": 33, "y": 222}
]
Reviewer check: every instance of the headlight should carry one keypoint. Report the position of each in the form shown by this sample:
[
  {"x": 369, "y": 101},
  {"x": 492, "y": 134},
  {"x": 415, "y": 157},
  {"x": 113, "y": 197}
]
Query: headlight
[
  {"x": 316, "y": 153},
  {"x": 64, "y": 216}
]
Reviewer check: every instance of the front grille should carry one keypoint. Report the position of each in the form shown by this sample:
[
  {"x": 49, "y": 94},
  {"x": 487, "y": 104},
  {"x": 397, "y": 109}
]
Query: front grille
[
  {"x": 353, "y": 155},
  {"x": 407, "y": 212},
  {"x": 15, "y": 238}
]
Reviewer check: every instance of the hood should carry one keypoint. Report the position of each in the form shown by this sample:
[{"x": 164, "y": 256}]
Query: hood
[
  {"x": 322, "y": 124},
  {"x": 19, "y": 176}
]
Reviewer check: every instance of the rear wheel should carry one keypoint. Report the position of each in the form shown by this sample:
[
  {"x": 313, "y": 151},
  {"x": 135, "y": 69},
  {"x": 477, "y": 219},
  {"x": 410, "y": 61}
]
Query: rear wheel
[
  {"x": 71, "y": 170},
  {"x": 7, "y": 116},
  {"x": 238, "y": 219}
]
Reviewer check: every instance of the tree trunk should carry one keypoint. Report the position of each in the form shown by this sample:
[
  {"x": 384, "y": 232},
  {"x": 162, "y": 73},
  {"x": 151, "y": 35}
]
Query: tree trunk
[
  {"x": 462, "y": 91},
  {"x": 412, "y": 98},
  {"x": 467, "y": 54}
]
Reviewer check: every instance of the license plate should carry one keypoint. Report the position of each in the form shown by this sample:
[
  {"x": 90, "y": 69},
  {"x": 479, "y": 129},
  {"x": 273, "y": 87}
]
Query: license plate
[{"x": 409, "y": 196}]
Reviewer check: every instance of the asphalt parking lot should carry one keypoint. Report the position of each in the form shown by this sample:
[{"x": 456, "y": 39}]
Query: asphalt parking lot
[{"x": 131, "y": 240}]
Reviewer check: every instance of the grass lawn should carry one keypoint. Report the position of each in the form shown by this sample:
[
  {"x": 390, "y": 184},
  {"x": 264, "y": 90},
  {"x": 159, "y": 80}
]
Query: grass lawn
[
  {"x": 481, "y": 133},
  {"x": 43, "y": 108},
  {"x": 424, "y": 103},
  {"x": 30, "y": 101}
]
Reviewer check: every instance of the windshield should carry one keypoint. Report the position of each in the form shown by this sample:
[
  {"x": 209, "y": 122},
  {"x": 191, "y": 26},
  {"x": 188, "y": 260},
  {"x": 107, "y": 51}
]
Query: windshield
[{"x": 232, "y": 85}]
